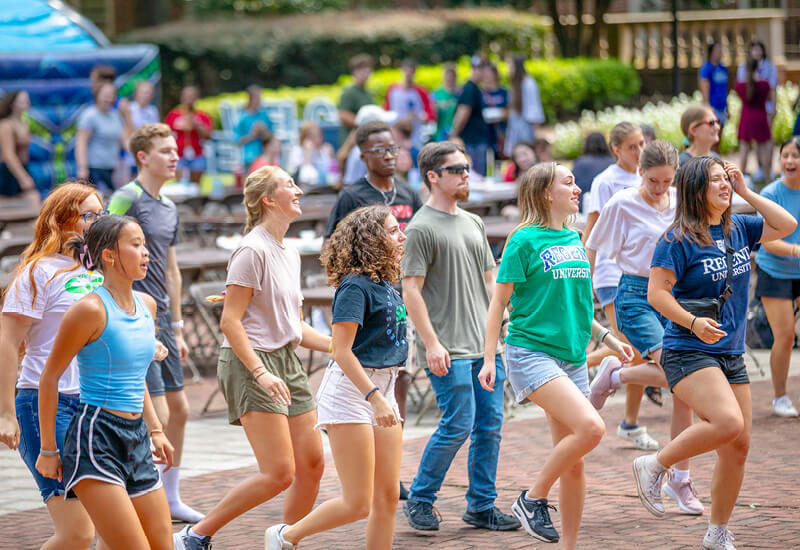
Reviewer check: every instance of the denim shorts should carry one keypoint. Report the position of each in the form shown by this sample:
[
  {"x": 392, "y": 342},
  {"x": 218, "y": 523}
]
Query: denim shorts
[
  {"x": 768, "y": 286},
  {"x": 113, "y": 449},
  {"x": 166, "y": 375},
  {"x": 641, "y": 324},
  {"x": 530, "y": 370},
  {"x": 197, "y": 164},
  {"x": 27, "y": 405},
  {"x": 605, "y": 294},
  {"x": 678, "y": 364},
  {"x": 340, "y": 402}
]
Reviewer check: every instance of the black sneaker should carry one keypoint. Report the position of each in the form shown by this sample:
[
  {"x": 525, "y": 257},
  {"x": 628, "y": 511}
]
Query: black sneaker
[
  {"x": 492, "y": 519},
  {"x": 535, "y": 517},
  {"x": 421, "y": 515},
  {"x": 403, "y": 492}
]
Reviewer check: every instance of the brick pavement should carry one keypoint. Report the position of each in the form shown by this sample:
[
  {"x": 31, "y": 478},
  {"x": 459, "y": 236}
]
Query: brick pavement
[{"x": 766, "y": 515}]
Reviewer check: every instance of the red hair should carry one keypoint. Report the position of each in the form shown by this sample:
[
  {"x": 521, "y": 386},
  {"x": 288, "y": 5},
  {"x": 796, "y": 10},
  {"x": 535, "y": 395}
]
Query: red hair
[{"x": 54, "y": 226}]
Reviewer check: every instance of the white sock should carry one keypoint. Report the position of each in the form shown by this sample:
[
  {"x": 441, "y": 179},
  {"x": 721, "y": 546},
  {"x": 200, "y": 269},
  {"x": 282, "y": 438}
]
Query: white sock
[
  {"x": 679, "y": 475},
  {"x": 712, "y": 527},
  {"x": 171, "y": 480},
  {"x": 615, "y": 381},
  {"x": 656, "y": 464}
]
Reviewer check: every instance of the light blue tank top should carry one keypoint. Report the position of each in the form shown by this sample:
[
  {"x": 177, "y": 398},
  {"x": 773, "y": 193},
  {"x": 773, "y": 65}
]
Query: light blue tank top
[{"x": 113, "y": 367}]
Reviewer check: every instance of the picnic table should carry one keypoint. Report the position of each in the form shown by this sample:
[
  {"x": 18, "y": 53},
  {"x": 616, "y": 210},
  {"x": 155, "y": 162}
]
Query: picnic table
[
  {"x": 17, "y": 214},
  {"x": 196, "y": 263}
]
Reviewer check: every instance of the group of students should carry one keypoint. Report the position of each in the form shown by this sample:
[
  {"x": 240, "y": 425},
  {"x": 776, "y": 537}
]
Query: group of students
[{"x": 85, "y": 420}]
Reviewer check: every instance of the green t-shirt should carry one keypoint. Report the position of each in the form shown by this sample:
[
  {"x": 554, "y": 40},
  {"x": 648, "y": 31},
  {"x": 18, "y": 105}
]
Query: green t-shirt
[
  {"x": 446, "y": 104},
  {"x": 452, "y": 253},
  {"x": 352, "y": 99},
  {"x": 552, "y": 299}
]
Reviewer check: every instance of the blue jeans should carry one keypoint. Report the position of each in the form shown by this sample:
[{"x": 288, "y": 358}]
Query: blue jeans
[
  {"x": 27, "y": 405},
  {"x": 467, "y": 411},
  {"x": 477, "y": 156}
]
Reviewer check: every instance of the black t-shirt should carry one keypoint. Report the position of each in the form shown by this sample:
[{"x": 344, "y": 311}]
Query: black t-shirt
[
  {"x": 475, "y": 130},
  {"x": 380, "y": 340},
  {"x": 406, "y": 202}
]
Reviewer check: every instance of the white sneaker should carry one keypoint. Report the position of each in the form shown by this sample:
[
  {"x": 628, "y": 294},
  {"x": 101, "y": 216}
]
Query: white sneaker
[
  {"x": 718, "y": 538},
  {"x": 649, "y": 476},
  {"x": 684, "y": 494},
  {"x": 639, "y": 436},
  {"x": 273, "y": 540},
  {"x": 782, "y": 406}
]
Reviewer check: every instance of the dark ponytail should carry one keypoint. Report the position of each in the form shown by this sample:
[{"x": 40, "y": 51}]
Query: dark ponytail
[{"x": 102, "y": 234}]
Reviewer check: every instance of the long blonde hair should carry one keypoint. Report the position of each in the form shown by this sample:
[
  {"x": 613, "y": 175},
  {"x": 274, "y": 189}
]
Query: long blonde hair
[
  {"x": 259, "y": 183},
  {"x": 532, "y": 200}
]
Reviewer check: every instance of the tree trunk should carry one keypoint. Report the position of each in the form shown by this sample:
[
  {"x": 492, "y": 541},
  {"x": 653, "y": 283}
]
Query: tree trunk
[
  {"x": 582, "y": 48},
  {"x": 562, "y": 35},
  {"x": 601, "y": 7}
]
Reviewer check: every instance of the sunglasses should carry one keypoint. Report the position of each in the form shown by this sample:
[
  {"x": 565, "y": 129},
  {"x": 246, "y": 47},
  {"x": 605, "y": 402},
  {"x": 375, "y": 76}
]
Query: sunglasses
[
  {"x": 454, "y": 169},
  {"x": 91, "y": 217},
  {"x": 712, "y": 122},
  {"x": 383, "y": 151}
]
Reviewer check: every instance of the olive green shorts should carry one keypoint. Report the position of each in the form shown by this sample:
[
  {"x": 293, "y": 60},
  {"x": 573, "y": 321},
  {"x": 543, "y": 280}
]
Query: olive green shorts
[{"x": 243, "y": 393}]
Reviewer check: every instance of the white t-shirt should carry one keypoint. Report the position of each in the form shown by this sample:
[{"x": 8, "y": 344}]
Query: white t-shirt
[
  {"x": 272, "y": 270},
  {"x": 628, "y": 229},
  {"x": 54, "y": 294},
  {"x": 604, "y": 186}
]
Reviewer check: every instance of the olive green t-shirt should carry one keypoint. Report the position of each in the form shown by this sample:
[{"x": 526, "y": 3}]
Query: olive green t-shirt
[
  {"x": 552, "y": 300},
  {"x": 452, "y": 253},
  {"x": 352, "y": 99}
]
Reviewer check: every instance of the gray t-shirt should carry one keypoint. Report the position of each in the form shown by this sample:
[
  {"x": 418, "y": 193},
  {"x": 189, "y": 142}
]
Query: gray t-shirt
[
  {"x": 452, "y": 253},
  {"x": 106, "y": 138},
  {"x": 159, "y": 221}
]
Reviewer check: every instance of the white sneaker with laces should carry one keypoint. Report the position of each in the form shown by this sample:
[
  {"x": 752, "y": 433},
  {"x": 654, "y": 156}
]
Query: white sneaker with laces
[
  {"x": 782, "y": 406},
  {"x": 273, "y": 539},
  {"x": 649, "y": 476},
  {"x": 639, "y": 436},
  {"x": 718, "y": 538}
]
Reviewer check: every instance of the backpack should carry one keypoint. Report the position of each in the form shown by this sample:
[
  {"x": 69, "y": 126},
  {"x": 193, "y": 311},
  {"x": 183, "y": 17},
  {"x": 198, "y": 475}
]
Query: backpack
[{"x": 758, "y": 334}]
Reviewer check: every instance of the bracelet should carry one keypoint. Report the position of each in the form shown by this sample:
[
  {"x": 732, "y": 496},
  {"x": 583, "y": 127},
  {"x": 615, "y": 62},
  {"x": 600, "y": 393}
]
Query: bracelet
[
  {"x": 158, "y": 431},
  {"x": 262, "y": 373},
  {"x": 692, "y": 325},
  {"x": 177, "y": 324},
  {"x": 45, "y": 452},
  {"x": 603, "y": 335},
  {"x": 370, "y": 392},
  {"x": 330, "y": 346}
]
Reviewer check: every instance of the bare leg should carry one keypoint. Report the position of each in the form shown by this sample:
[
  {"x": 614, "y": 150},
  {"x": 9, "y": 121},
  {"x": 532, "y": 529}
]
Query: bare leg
[
  {"x": 780, "y": 315},
  {"x": 268, "y": 434},
  {"x": 73, "y": 526},
  {"x": 633, "y": 392},
  {"x": 571, "y": 493},
  {"x": 744, "y": 152},
  {"x": 309, "y": 465},
  {"x": 388, "y": 452},
  {"x": 401, "y": 391},
  {"x": 175, "y": 425},
  {"x": 682, "y": 416},
  {"x": 353, "y": 448},
  {"x": 113, "y": 514},
  {"x": 153, "y": 513},
  {"x": 764, "y": 152}
]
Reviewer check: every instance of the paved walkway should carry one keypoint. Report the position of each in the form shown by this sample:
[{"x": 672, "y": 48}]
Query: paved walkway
[{"x": 766, "y": 515}]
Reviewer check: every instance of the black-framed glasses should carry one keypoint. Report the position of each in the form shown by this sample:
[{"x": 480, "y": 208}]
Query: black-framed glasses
[
  {"x": 91, "y": 217},
  {"x": 454, "y": 169},
  {"x": 383, "y": 151}
]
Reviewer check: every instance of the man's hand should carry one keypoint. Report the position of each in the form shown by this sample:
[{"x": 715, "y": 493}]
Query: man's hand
[{"x": 438, "y": 359}]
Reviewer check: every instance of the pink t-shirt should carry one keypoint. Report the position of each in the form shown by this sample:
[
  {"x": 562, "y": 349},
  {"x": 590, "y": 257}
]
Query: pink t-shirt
[{"x": 272, "y": 270}]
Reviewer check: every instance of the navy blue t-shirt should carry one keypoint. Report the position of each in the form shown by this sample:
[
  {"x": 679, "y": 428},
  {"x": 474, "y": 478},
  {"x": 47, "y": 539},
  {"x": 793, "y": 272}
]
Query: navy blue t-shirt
[
  {"x": 476, "y": 130},
  {"x": 700, "y": 273},
  {"x": 381, "y": 314}
]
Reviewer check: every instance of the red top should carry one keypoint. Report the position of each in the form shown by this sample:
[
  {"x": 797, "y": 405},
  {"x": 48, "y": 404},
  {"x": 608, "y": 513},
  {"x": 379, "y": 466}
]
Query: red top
[
  {"x": 191, "y": 137},
  {"x": 753, "y": 123}
]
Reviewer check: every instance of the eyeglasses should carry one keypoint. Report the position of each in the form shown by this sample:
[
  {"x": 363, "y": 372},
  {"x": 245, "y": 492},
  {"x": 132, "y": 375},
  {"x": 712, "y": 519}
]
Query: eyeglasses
[
  {"x": 712, "y": 122},
  {"x": 383, "y": 151},
  {"x": 455, "y": 169},
  {"x": 91, "y": 217}
]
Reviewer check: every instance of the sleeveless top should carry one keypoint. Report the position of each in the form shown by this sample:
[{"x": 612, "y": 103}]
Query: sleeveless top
[{"x": 112, "y": 369}]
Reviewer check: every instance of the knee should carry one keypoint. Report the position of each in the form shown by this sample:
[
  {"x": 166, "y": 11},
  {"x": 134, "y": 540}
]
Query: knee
[
  {"x": 729, "y": 427},
  {"x": 311, "y": 468},
  {"x": 592, "y": 432},
  {"x": 76, "y": 537},
  {"x": 576, "y": 470},
  {"x": 358, "y": 507},
  {"x": 458, "y": 426},
  {"x": 179, "y": 412},
  {"x": 385, "y": 501},
  {"x": 739, "y": 448},
  {"x": 279, "y": 476}
]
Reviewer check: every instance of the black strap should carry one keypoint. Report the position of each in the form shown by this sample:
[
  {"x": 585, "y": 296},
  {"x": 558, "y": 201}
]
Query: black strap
[{"x": 728, "y": 290}]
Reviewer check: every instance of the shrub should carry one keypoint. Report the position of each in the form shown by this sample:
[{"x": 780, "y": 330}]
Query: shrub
[
  {"x": 226, "y": 54},
  {"x": 665, "y": 118},
  {"x": 565, "y": 85}
]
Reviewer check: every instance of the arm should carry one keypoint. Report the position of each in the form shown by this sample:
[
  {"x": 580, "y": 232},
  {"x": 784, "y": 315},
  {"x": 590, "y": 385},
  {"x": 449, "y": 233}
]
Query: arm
[
  {"x": 312, "y": 339},
  {"x": 591, "y": 254},
  {"x": 344, "y": 333},
  {"x": 705, "y": 88},
  {"x": 13, "y": 330},
  {"x": 236, "y": 300},
  {"x": 607, "y": 337},
  {"x": 174, "y": 284},
  {"x": 162, "y": 448},
  {"x": 348, "y": 118},
  {"x": 9, "y": 154},
  {"x": 83, "y": 322},
  {"x": 591, "y": 219},
  {"x": 497, "y": 307},
  {"x": 778, "y": 223},
  {"x": 202, "y": 126},
  {"x": 460, "y": 119},
  {"x": 81, "y": 152},
  {"x": 488, "y": 280},
  {"x": 659, "y": 294},
  {"x": 782, "y": 248},
  {"x": 438, "y": 358}
]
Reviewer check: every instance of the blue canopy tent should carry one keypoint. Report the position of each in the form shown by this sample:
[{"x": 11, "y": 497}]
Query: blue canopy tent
[{"x": 48, "y": 50}]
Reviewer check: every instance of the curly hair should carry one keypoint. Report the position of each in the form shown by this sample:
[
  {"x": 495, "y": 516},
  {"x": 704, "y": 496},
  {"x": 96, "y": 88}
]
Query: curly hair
[{"x": 360, "y": 246}]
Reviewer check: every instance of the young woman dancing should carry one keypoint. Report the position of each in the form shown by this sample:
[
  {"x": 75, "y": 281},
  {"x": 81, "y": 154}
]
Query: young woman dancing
[
  {"x": 260, "y": 376},
  {"x": 702, "y": 260},
  {"x": 356, "y": 397},
  {"x": 47, "y": 282},
  {"x": 107, "y": 460},
  {"x": 627, "y": 232},
  {"x": 545, "y": 275}
]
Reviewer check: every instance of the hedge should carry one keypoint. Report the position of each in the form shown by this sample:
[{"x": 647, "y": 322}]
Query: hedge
[
  {"x": 566, "y": 85},
  {"x": 227, "y": 54}
]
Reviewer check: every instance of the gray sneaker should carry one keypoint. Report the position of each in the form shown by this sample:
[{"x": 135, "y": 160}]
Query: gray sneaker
[
  {"x": 718, "y": 538},
  {"x": 421, "y": 515},
  {"x": 182, "y": 540},
  {"x": 273, "y": 540}
]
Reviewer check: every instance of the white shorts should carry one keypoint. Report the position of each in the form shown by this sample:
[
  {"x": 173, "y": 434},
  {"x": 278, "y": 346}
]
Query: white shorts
[{"x": 340, "y": 402}]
